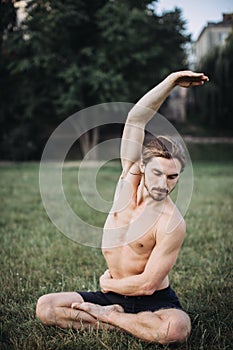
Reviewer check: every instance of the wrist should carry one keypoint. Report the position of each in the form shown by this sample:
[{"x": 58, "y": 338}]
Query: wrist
[{"x": 172, "y": 78}]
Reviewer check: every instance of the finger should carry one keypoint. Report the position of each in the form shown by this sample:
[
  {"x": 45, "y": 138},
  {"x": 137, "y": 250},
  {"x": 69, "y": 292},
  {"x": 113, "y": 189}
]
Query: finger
[
  {"x": 196, "y": 79},
  {"x": 189, "y": 73},
  {"x": 194, "y": 75},
  {"x": 197, "y": 83},
  {"x": 202, "y": 77},
  {"x": 197, "y": 74},
  {"x": 205, "y": 78}
]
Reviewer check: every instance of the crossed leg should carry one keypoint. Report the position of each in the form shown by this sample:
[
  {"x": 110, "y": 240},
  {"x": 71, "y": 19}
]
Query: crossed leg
[
  {"x": 163, "y": 326},
  {"x": 68, "y": 310},
  {"x": 55, "y": 310}
]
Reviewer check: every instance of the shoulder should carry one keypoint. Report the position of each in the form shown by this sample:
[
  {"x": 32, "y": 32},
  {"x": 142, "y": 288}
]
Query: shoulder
[
  {"x": 171, "y": 226},
  {"x": 174, "y": 218},
  {"x": 170, "y": 242}
]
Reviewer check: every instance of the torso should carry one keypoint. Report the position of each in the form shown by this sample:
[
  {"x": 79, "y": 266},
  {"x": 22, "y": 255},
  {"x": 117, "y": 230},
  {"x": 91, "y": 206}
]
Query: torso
[
  {"x": 129, "y": 238},
  {"x": 130, "y": 256},
  {"x": 131, "y": 232}
]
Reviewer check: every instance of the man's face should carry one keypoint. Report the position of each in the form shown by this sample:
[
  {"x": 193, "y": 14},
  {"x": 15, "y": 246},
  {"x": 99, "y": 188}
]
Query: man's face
[{"x": 161, "y": 176}]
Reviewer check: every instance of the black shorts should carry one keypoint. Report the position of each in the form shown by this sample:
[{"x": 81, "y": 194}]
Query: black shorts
[{"x": 161, "y": 299}]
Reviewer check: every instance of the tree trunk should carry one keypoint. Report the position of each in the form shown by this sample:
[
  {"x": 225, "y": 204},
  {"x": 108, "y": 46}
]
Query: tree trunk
[{"x": 88, "y": 141}]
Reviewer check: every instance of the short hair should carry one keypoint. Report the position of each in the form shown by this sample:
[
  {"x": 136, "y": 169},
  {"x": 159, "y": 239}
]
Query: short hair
[{"x": 165, "y": 147}]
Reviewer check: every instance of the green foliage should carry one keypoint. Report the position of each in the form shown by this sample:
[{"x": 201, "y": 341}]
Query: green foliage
[
  {"x": 68, "y": 55},
  {"x": 7, "y": 18},
  {"x": 7, "y": 86},
  {"x": 215, "y": 100}
]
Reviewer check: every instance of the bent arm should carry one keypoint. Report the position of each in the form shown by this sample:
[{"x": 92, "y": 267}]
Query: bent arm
[
  {"x": 161, "y": 261},
  {"x": 138, "y": 117},
  {"x": 145, "y": 108}
]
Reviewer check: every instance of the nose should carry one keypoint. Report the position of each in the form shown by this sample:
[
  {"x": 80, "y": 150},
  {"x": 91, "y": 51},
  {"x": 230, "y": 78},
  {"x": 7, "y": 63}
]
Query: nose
[{"x": 163, "y": 182}]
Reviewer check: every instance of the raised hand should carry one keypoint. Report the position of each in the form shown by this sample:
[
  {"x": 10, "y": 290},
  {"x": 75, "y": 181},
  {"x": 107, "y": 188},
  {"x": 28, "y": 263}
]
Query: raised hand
[{"x": 188, "y": 78}]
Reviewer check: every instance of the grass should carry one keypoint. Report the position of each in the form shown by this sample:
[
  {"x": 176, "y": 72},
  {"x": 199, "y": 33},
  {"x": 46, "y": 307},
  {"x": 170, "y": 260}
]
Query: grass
[{"x": 37, "y": 259}]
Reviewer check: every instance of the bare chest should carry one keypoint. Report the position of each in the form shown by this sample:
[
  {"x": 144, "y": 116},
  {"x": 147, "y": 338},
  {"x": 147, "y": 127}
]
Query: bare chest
[
  {"x": 133, "y": 227},
  {"x": 129, "y": 258}
]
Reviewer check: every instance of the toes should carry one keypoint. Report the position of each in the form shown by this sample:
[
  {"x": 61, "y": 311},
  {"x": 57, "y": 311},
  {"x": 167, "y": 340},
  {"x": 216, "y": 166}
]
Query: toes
[
  {"x": 75, "y": 305},
  {"x": 88, "y": 307},
  {"x": 85, "y": 306}
]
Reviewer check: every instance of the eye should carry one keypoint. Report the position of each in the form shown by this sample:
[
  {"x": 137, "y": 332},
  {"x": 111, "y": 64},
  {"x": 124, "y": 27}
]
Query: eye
[
  {"x": 172, "y": 177},
  {"x": 157, "y": 173}
]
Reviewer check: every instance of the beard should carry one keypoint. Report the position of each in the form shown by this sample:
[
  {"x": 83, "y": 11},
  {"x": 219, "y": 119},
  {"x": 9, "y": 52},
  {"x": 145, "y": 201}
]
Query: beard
[{"x": 157, "y": 194}]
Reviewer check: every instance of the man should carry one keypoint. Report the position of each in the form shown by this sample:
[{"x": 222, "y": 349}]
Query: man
[{"x": 142, "y": 237}]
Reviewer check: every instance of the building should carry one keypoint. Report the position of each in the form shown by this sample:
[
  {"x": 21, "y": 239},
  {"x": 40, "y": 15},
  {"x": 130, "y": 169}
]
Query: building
[
  {"x": 174, "y": 109},
  {"x": 214, "y": 34}
]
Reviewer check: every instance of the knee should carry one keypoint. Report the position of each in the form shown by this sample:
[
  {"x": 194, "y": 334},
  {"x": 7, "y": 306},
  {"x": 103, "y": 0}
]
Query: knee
[
  {"x": 176, "y": 331},
  {"x": 45, "y": 309},
  {"x": 180, "y": 331}
]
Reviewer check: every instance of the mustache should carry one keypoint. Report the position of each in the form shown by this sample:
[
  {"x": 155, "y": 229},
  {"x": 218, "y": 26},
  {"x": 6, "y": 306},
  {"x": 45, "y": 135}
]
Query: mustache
[{"x": 161, "y": 190}]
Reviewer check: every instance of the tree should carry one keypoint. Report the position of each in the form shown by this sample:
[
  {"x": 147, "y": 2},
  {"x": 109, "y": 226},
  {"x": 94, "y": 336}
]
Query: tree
[
  {"x": 7, "y": 118},
  {"x": 214, "y": 104},
  {"x": 70, "y": 55}
]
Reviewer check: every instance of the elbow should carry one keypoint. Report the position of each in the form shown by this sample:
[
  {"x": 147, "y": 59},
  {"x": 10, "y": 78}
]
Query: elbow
[
  {"x": 132, "y": 115},
  {"x": 148, "y": 289},
  {"x": 137, "y": 116},
  {"x": 148, "y": 285}
]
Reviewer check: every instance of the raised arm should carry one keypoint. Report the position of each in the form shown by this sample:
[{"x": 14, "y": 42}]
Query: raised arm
[{"x": 145, "y": 108}]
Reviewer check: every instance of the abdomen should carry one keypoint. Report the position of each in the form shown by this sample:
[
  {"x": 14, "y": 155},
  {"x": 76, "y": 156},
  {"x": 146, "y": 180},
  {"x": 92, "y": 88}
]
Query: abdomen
[{"x": 123, "y": 262}]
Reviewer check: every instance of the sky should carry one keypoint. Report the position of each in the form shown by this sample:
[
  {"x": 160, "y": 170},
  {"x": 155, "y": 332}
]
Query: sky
[{"x": 197, "y": 12}]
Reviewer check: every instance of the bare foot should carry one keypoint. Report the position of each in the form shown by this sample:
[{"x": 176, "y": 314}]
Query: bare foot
[{"x": 102, "y": 313}]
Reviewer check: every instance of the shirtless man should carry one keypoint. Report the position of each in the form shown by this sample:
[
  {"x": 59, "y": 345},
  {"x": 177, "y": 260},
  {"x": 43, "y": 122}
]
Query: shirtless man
[{"x": 142, "y": 237}]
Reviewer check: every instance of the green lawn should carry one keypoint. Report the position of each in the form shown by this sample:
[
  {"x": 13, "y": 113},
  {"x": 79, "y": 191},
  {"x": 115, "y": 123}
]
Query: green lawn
[{"x": 37, "y": 259}]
